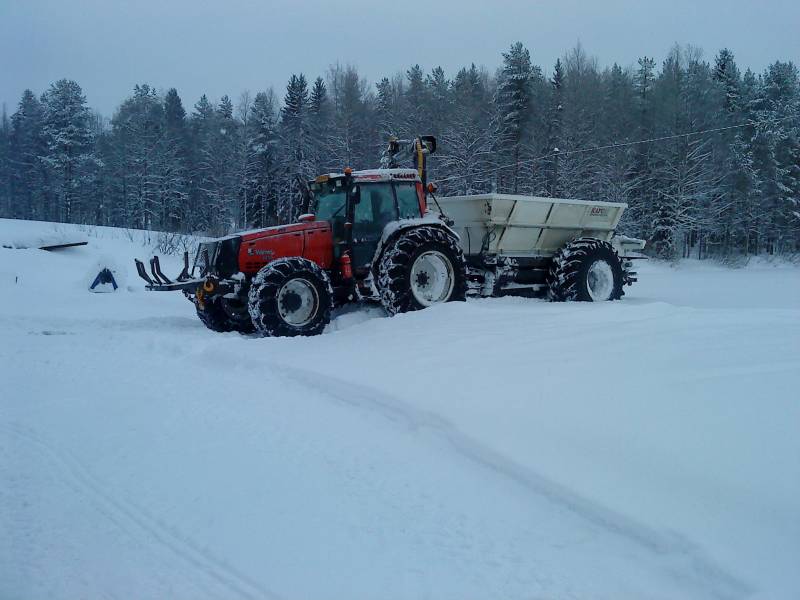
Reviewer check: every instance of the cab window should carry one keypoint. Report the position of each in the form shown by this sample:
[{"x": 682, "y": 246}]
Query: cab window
[
  {"x": 329, "y": 205},
  {"x": 407, "y": 200},
  {"x": 375, "y": 209}
]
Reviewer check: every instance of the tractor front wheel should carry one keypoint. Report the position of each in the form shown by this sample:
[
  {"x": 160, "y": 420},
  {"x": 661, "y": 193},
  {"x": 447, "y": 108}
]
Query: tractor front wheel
[
  {"x": 289, "y": 297},
  {"x": 222, "y": 314}
]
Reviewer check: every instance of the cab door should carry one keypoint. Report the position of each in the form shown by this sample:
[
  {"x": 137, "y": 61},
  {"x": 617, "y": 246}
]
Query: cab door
[{"x": 376, "y": 208}]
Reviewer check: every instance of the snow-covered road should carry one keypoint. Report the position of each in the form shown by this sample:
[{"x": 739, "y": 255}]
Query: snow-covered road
[{"x": 502, "y": 448}]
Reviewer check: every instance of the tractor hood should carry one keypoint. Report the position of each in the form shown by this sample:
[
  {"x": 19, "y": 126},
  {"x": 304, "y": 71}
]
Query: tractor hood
[
  {"x": 257, "y": 234},
  {"x": 247, "y": 252}
]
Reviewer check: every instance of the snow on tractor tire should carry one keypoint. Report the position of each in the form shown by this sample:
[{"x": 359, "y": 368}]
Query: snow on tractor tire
[
  {"x": 289, "y": 297},
  {"x": 223, "y": 314},
  {"x": 586, "y": 270},
  {"x": 372, "y": 236}
]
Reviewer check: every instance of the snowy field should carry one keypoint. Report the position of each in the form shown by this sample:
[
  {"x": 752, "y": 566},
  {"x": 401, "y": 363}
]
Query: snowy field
[{"x": 499, "y": 448}]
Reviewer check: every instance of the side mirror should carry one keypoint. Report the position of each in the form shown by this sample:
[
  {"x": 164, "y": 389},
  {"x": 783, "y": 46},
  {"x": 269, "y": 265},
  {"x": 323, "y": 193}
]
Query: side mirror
[{"x": 355, "y": 194}]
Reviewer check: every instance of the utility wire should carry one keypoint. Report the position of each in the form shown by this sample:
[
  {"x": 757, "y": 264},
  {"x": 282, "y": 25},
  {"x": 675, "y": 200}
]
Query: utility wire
[{"x": 616, "y": 145}]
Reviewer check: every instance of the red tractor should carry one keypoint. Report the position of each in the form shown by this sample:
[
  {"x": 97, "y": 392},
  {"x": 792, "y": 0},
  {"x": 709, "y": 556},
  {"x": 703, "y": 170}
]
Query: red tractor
[{"x": 365, "y": 235}]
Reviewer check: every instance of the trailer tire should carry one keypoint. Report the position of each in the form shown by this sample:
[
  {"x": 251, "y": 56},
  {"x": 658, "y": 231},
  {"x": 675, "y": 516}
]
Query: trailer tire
[
  {"x": 222, "y": 315},
  {"x": 585, "y": 270},
  {"x": 290, "y": 297},
  {"x": 420, "y": 267}
]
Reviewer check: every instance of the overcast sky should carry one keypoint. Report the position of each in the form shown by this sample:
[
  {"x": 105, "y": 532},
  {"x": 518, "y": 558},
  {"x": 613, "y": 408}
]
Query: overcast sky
[{"x": 227, "y": 46}]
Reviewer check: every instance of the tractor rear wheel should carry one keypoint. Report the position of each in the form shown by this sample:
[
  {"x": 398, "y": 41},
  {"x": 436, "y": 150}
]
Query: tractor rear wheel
[
  {"x": 222, "y": 314},
  {"x": 586, "y": 270},
  {"x": 423, "y": 266},
  {"x": 290, "y": 296}
]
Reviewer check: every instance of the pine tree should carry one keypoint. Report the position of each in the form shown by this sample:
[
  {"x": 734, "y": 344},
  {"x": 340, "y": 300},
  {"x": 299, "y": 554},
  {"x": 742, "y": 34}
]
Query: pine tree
[
  {"x": 581, "y": 97},
  {"x": 415, "y": 103},
  {"x": 26, "y": 145},
  {"x": 554, "y": 143},
  {"x": 615, "y": 176},
  {"x": 642, "y": 203},
  {"x": 321, "y": 120},
  {"x": 732, "y": 157},
  {"x": 201, "y": 127},
  {"x": 513, "y": 118},
  {"x": 138, "y": 163},
  {"x": 7, "y": 208},
  {"x": 352, "y": 140},
  {"x": 175, "y": 188},
  {"x": 440, "y": 101},
  {"x": 387, "y": 106},
  {"x": 726, "y": 74},
  {"x": 466, "y": 144},
  {"x": 217, "y": 167},
  {"x": 295, "y": 142},
  {"x": 203, "y": 110},
  {"x": 777, "y": 157},
  {"x": 69, "y": 145},
  {"x": 262, "y": 173}
]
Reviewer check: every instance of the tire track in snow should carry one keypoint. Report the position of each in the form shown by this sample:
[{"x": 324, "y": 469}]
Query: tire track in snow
[
  {"x": 693, "y": 567},
  {"x": 129, "y": 517}
]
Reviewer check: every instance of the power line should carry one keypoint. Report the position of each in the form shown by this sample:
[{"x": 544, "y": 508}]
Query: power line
[{"x": 617, "y": 145}]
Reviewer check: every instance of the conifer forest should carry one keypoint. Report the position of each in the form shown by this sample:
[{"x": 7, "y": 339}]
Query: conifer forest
[{"x": 705, "y": 152}]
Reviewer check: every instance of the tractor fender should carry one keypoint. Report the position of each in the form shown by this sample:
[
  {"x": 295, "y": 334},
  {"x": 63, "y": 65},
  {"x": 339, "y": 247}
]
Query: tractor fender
[{"x": 395, "y": 228}]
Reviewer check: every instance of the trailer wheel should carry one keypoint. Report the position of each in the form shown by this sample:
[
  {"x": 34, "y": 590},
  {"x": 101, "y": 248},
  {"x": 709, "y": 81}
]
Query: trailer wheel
[
  {"x": 290, "y": 296},
  {"x": 222, "y": 314},
  {"x": 585, "y": 270},
  {"x": 422, "y": 267}
]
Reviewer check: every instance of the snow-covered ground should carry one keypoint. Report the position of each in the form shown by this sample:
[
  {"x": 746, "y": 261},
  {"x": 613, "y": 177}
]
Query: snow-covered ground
[{"x": 499, "y": 448}]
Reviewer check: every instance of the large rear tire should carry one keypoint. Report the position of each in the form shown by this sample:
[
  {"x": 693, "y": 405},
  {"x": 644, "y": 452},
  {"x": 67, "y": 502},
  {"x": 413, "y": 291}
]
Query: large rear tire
[
  {"x": 421, "y": 267},
  {"x": 289, "y": 297},
  {"x": 586, "y": 270}
]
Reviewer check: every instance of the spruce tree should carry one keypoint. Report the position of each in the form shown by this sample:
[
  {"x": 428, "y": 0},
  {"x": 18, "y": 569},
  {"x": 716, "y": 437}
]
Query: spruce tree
[
  {"x": 513, "y": 106},
  {"x": 581, "y": 100},
  {"x": 69, "y": 145},
  {"x": 386, "y": 108},
  {"x": 263, "y": 172},
  {"x": 7, "y": 208},
  {"x": 465, "y": 152},
  {"x": 296, "y": 145},
  {"x": 415, "y": 103},
  {"x": 320, "y": 122},
  {"x": 137, "y": 134},
  {"x": 27, "y": 184},
  {"x": 352, "y": 141},
  {"x": 177, "y": 211},
  {"x": 616, "y": 126},
  {"x": 554, "y": 143}
]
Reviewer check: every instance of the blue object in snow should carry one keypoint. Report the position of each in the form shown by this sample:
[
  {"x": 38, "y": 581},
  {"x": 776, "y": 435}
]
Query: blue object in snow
[{"x": 104, "y": 276}]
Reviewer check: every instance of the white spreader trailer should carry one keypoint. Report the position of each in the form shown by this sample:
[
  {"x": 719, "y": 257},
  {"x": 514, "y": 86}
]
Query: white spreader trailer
[{"x": 565, "y": 249}]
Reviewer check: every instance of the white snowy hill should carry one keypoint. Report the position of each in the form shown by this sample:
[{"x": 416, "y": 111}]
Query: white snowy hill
[{"x": 499, "y": 448}]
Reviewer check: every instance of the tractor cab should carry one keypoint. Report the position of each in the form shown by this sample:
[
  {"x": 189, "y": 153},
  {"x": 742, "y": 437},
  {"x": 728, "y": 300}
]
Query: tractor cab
[{"x": 359, "y": 205}]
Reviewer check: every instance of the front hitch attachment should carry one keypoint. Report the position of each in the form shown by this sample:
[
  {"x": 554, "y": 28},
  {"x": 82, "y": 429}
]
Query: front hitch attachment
[{"x": 158, "y": 282}]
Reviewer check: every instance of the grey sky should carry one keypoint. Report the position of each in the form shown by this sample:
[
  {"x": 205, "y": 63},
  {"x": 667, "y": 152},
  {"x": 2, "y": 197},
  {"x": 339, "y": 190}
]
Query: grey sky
[{"x": 227, "y": 46}]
